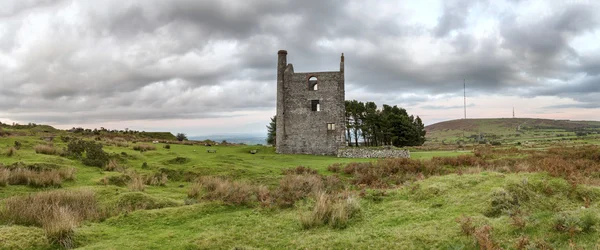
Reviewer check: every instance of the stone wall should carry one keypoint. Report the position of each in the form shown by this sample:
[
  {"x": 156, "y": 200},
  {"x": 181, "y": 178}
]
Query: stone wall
[
  {"x": 373, "y": 153},
  {"x": 300, "y": 129}
]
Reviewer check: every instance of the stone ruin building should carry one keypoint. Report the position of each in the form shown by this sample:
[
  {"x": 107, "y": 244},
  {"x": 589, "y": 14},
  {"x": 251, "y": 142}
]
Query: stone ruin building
[{"x": 311, "y": 117}]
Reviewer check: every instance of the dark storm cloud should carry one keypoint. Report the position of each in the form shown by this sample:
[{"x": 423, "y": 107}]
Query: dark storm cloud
[{"x": 76, "y": 61}]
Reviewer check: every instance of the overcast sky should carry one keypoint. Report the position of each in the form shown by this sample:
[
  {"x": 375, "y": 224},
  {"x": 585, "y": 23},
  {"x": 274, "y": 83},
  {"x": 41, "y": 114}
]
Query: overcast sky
[{"x": 208, "y": 66}]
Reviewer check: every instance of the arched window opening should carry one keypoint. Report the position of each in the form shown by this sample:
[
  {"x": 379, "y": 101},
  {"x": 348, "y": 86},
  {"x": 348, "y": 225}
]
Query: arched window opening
[{"x": 313, "y": 83}]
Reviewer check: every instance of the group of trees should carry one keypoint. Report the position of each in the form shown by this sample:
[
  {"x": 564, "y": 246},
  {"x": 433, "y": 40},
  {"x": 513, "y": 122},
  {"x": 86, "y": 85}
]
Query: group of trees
[
  {"x": 369, "y": 125},
  {"x": 386, "y": 126}
]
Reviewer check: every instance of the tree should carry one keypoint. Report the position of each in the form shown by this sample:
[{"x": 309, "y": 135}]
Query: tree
[
  {"x": 181, "y": 137},
  {"x": 390, "y": 125},
  {"x": 271, "y": 131}
]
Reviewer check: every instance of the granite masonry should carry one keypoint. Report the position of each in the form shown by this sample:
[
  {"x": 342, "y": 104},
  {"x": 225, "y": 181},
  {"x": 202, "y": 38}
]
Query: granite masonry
[
  {"x": 373, "y": 153},
  {"x": 310, "y": 110}
]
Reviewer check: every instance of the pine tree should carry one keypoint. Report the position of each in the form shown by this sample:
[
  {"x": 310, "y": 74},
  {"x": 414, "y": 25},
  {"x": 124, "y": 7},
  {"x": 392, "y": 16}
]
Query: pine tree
[{"x": 271, "y": 131}]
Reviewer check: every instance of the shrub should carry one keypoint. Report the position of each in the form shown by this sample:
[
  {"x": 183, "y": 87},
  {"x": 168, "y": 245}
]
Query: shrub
[
  {"x": 167, "y": 146},
  {"x": 95, "y": 156},
  {"x": 334, "y": 211},
  {"x": 589, "y": 220},
  {"x": 299, "y": 170},
  {"x": 144, "y": 147},
  {"x": 47, "y": 150},
  {"x": 76, "y": 147},
  {"x": 145, "y": 165},
  {"x": 18, "y": 145}
]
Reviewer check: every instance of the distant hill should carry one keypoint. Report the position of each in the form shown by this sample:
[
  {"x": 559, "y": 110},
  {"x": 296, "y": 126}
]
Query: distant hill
[
  {"x": 249, "y": 139},
  {"x": 508, "y": 129}
]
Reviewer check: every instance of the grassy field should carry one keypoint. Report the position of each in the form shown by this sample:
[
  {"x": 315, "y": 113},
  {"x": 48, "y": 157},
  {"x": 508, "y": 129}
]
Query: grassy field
[
  {"x": 486, "y": 198},
  {"x": 512, "y": 131}
]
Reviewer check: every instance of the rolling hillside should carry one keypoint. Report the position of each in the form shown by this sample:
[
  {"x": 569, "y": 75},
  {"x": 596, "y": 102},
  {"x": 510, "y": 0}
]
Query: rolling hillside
[{"x": 509, "y": 129}]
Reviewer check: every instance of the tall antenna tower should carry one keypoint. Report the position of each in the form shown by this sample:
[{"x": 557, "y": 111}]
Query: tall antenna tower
[{"x": 465, "y": 96}]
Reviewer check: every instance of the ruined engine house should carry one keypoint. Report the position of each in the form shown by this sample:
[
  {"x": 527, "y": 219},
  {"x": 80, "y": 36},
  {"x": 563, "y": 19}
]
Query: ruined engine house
[{"x": 310, "y": 110}]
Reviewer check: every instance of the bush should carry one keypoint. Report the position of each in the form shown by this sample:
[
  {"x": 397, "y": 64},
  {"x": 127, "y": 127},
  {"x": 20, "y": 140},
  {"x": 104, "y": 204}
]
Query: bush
[
  {"x": 167, "y": 146},
  {"x": 95, "y": 156},
  {"x": 334, "y": 211},
  {"x": 144, "y": 147},
  {"x": 47, "y": 150},
  {"x": 18, "y": 145},
  {"x": 181, "y": 137}
]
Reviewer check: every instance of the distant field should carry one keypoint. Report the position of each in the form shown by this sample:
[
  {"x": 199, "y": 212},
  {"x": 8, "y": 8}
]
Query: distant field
[
  {"x": 511, "y": 131},
  {"x": 146, "y": 200}
]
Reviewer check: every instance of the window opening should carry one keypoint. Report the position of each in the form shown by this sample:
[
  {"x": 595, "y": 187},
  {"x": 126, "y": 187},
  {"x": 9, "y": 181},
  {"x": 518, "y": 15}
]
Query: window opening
[
  {"x": 313, "y": 83},
  {"x": 315, "y": 105},
  {"x": 330, "y": 126}
]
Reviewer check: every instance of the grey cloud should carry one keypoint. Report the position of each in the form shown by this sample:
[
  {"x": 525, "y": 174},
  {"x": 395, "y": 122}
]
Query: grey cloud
[{"x": 193, "y": 59}]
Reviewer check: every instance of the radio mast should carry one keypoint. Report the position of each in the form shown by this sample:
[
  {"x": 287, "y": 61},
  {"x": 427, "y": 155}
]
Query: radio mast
[{"x": 465, "y": 96}]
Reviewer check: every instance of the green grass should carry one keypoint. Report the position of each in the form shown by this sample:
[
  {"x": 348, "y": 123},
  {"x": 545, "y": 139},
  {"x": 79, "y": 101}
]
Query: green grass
[{"x": 418, "y": 215}]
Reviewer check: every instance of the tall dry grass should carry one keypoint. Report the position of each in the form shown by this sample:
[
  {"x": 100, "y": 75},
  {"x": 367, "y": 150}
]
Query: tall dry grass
[
  {"x": 11, "y": 152},
  {"x": 144, "y": 147},
  {"x": 137, "y": 183},
  {"x": 35, "y": 178},
  {"x": 230, "y": 192},
  {"x": 47, "y": 149},
  {"x": 57, "y": 212},
  {"x": 333, "y": 210}
]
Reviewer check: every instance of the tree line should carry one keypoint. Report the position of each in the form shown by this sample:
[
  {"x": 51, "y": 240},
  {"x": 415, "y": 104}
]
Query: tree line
[
  {"x": 369, "y": 125},
  {"x": 389, "y": 125}
]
